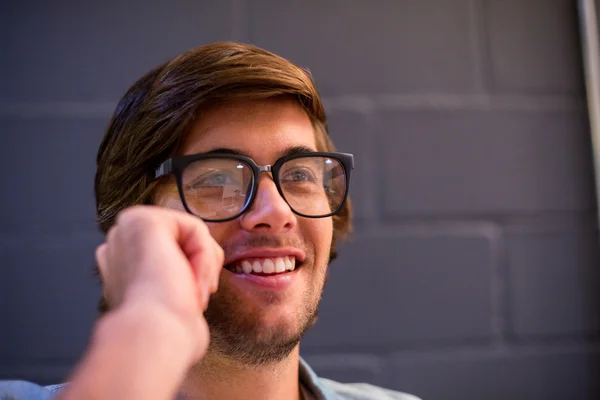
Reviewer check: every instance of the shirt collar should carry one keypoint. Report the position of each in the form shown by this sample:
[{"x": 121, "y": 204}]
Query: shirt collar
[{"x": 309, "y": 378}]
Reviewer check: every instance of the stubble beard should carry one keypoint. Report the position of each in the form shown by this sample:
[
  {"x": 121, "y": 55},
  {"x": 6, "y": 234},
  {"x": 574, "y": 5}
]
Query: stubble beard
[{"x": 241, "y": 336}]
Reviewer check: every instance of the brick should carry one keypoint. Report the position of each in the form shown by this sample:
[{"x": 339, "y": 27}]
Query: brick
[
  {"x": 480, "y": 162},
  {"x": 52, "y": 295},
  {"x": 533, "y": 375},
  {"x": 349, "y": 133},
  {"x": 407, "y": 288},
  {"x": 554, "y": 283},
  {"x": 4, "y": 43},
  {"x": 540, "y": 53},
  {"x": 348, "y": 367},
  {"x": 52, "y": 163},
  {"x": 373, "y": 46},
  {"x": 69, "y": 51}
]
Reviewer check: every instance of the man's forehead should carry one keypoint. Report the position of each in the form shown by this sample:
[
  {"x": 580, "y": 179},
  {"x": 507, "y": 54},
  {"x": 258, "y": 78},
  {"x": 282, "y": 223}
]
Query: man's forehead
[
  {"x": 252, "y": 127},
  {"x": 283, "y": 152}
]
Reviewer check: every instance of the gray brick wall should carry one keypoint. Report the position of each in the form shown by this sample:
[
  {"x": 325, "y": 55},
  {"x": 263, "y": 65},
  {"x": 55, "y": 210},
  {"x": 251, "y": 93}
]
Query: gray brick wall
[{"x": 473, "y": 272}]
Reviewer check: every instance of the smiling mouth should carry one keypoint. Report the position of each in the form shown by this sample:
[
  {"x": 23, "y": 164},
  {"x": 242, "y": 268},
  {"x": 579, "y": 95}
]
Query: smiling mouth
[{"x": 266, "y": 266}]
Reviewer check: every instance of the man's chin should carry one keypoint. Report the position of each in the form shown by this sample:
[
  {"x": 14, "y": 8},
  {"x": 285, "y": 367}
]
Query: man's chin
[
  {"x": 254, "y": 339},
  {"x": 257, "y": 348}
]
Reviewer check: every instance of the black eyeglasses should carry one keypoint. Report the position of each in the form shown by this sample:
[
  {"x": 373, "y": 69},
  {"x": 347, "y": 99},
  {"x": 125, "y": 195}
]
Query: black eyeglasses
[{"x": 220, "y": 187}]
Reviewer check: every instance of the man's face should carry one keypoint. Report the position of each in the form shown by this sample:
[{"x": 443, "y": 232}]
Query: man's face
[{"x": 258, "y": 321}]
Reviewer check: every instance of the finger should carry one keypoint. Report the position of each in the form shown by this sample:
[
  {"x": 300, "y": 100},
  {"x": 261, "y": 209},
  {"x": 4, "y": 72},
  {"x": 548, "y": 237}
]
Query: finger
[
  {"x": 208, "y": 269},
  {"x": 110, "y": 235},
  {"x": 195, "y": 240},
  {"x": 207, "y": 265},
  {"x": 220, "y": 259},
  {"x": 160, "y": 228},
  {"x": 102, "y": 266},
  {"x": 214, "y": 273},
  {"x": 201, "y": 250},
  {"x": 189, "y": 234},
  {"x": 101, "y": 259}
]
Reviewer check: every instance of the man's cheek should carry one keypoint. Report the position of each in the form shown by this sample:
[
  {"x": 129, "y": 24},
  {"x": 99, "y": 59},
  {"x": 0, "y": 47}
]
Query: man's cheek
[{"x": 220, "y": 231}]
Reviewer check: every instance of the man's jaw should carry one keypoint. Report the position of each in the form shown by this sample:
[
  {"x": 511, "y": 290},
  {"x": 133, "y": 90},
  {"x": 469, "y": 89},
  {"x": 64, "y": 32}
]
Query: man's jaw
[{"x": 259, "y": 319}]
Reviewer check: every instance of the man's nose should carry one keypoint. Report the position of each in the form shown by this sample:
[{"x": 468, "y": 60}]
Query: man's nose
[{"x": 269, "y": 211}]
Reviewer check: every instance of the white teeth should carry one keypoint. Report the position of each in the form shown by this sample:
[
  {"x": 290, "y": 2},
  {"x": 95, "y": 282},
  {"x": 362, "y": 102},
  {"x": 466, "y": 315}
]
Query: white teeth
[
  {"x": 268, "y": 266},
  {"x": 279, "y": 264},
  {"x": 290, "y": 264},
  {"x": 257, "y": 266},
  {"x": 246, "y": 266}
]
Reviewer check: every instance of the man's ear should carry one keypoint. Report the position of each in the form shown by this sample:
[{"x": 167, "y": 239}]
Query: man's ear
[{"x": 332, "y": 253}]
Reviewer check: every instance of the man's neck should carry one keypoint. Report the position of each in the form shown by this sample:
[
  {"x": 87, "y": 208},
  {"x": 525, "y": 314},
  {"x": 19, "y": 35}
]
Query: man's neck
[{"x": 218, "y": 378}]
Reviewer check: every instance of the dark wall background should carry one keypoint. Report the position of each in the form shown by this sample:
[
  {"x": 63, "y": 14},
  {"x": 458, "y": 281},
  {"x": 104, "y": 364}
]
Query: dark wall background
[{"x": 473, "y": 273}]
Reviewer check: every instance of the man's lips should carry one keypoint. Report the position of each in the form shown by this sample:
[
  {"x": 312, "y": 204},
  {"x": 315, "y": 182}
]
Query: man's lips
[
  {"x": 266, "y": 266},
  {"x": 250, "y": 283}
]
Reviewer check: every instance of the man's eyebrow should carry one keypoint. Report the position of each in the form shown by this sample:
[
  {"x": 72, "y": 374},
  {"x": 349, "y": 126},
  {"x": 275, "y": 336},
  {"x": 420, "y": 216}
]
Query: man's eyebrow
[
  {"x": 287, "y": 152},
  {"x": 296, "y": 150},
  {"x": 224, "y": 150}
]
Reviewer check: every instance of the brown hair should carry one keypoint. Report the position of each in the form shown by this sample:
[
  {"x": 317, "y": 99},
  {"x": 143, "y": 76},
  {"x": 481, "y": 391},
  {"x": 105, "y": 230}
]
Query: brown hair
[{"x": 156, "y": 113}]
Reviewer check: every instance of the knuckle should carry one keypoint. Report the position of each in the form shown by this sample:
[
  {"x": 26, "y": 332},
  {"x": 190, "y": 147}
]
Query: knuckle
[
  {"x": 99, "y": 254},
  {"x": 199, "y": 225},
  {"x": 101, "y": 259},
  {"x": 130, "y": 214},
  {"x": 134, "y": 219},
  {"x": 110, "y": 235},
  {"x": 220, "y": 253},
  {"x": 202, "y": 228}
]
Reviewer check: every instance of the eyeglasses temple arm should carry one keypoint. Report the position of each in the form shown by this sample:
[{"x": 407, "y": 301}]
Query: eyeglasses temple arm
[{"x": 163, "y": 169}]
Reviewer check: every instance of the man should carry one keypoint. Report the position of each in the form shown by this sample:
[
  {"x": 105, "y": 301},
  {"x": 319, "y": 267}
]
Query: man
[{"x": 222, "y": 200}]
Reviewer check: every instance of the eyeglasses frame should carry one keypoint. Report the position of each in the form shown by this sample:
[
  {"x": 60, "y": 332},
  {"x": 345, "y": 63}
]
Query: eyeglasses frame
[{"x": 176, "y": 165}]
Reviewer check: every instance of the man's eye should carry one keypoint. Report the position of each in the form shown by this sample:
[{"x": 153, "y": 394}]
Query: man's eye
[
  {"x": 214, "y": 180},
  {"x": 299, "y": 175}
]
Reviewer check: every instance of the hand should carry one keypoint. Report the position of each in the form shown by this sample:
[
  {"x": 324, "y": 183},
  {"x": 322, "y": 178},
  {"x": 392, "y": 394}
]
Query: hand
[{"x": 165, "y": 261}]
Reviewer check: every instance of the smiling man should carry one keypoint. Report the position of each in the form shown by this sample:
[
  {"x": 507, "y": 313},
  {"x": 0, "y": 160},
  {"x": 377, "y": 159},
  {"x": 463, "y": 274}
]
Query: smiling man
[
  {"x": 222, "y": 198},
  {"x": 275, "y": 260}
]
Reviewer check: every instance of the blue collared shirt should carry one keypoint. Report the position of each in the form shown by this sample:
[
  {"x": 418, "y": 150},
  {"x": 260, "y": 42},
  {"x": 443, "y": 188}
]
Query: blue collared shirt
[{"x": 322, "y": 389}]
